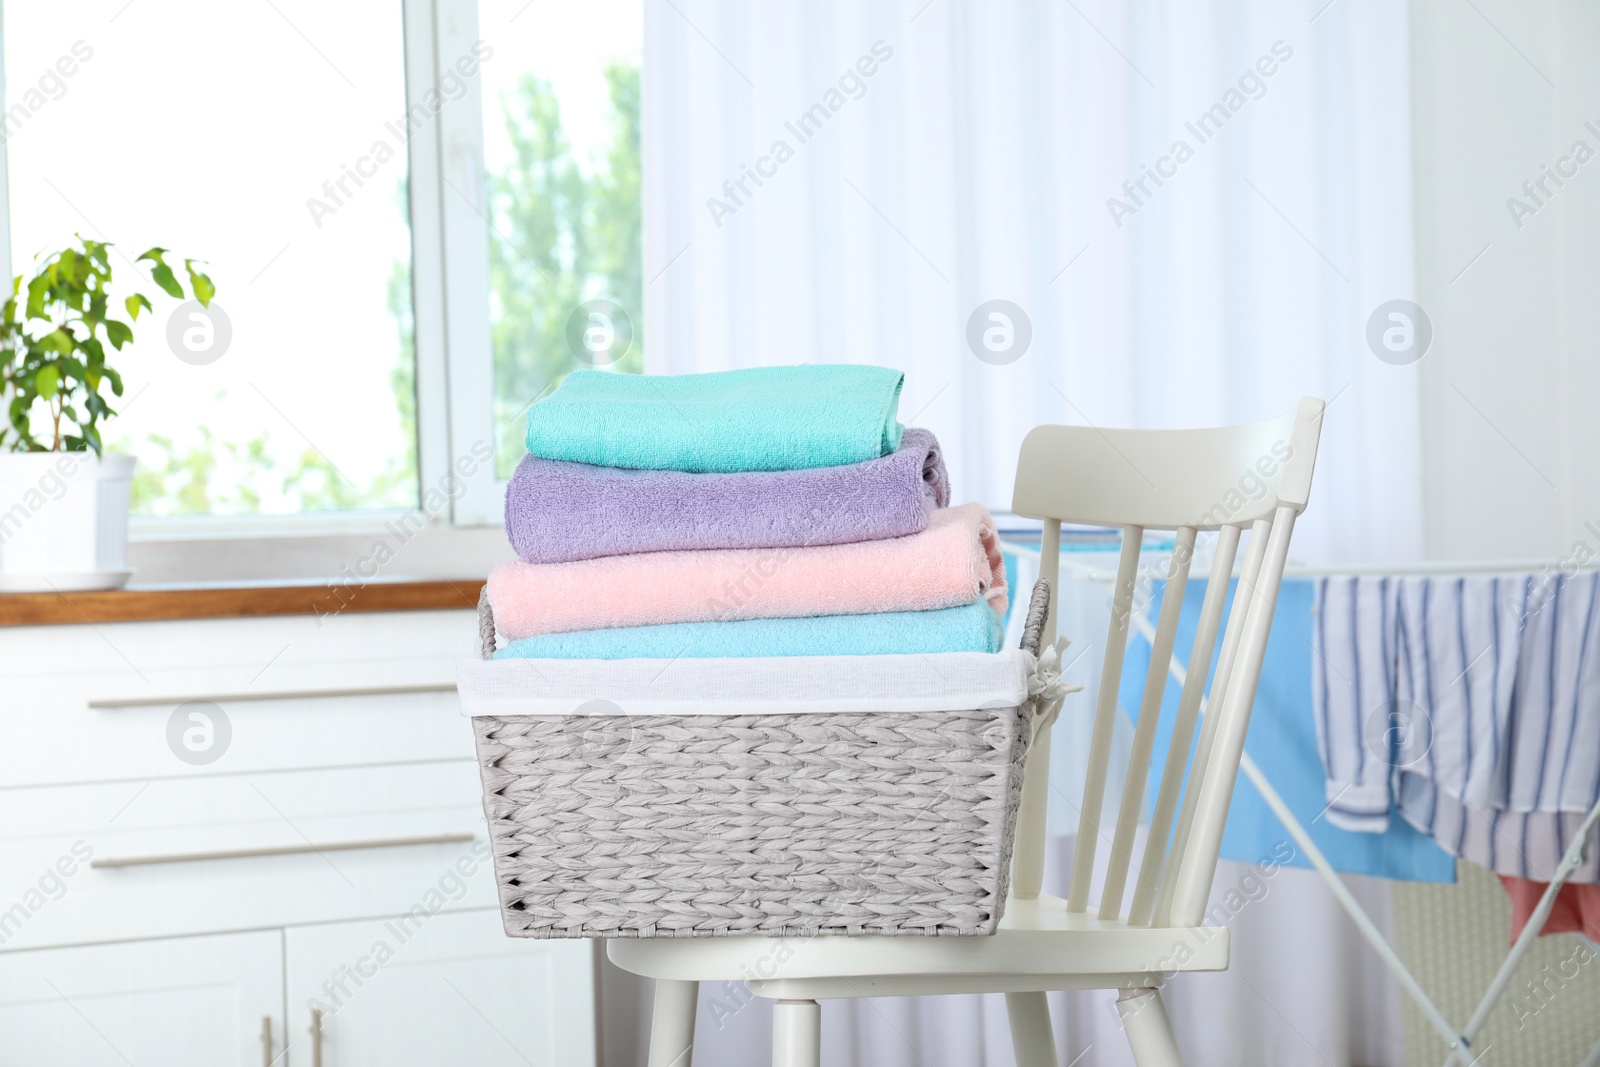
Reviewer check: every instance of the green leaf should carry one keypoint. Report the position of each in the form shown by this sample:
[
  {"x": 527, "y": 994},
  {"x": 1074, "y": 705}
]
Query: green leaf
[
  {"x": 201, "y": 283},
  {"x": 45, "y": 381},
  {"x": 118, "y": 333},
  {"x": 134, "y": 303},
  {"x": 162, "y": 275},
  {"x": 57, "y": 341},
  {"x": 36, "y": 292}
]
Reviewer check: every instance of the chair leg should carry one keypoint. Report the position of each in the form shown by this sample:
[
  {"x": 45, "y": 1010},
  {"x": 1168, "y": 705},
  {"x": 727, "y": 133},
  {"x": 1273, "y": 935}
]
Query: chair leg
[
  {"x": 672, "y": 1023},
  {"x": 1033, "y": 1041},
  {"x": 1144, "y": 1019},
  {"x": 796, "y": 1034}
]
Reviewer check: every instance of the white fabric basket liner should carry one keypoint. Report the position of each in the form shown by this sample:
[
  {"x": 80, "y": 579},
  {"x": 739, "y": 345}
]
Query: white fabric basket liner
[{"x": 779, "y": 685}]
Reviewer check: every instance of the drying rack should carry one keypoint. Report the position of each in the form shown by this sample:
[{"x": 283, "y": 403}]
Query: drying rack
[{"x": 1459, "y": 1039}]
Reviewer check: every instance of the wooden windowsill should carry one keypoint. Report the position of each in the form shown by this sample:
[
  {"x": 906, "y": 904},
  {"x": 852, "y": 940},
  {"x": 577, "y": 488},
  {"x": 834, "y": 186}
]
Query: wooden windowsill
[{"x": 236, "y": 601}]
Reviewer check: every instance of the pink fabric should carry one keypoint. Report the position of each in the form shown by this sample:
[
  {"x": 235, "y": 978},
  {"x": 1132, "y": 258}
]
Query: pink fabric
[
  {"x": 1576, "y": 911},
  {"x": 955, "y": 561}
]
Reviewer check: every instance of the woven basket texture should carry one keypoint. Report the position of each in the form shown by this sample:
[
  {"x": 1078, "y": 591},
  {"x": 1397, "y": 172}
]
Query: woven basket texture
[{"x": 774, "y": 825}]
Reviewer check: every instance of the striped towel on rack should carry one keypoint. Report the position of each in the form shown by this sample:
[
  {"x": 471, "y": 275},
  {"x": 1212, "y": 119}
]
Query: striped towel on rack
[
  {"x": 1352, "y": 681},
  {"x": 1471, "y": 705}
]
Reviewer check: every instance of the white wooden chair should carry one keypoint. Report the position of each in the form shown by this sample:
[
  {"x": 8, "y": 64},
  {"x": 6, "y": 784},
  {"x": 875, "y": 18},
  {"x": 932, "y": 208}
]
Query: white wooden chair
[{"x": 1229, "y": 479}]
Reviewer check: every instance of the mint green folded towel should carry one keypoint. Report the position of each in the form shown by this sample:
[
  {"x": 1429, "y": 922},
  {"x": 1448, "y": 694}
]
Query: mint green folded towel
[
  {"x": 970, "y": 628},
  {"x": 762, "y": 419}
]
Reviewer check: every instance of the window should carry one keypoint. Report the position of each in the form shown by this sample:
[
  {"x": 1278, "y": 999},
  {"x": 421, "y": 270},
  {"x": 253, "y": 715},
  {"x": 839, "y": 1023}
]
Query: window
[
  {"x": 407, "y": 209},
  {"x": 561, "y": 153},
  {"x": 229, "y": 134}
]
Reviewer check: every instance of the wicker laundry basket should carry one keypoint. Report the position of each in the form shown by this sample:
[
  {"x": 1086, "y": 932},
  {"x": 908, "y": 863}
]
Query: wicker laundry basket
[{"x": 821, "y": 813}]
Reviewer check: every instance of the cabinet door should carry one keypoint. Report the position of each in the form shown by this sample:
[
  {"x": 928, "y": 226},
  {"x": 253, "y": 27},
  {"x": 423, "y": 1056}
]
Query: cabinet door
[
  {"x": 434, "y": 990},
  {"x": 184, "y": 1002}
]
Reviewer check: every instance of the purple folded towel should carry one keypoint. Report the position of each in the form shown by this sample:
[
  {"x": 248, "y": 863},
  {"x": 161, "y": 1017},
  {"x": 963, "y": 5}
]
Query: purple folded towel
[{"x": 557, "y": 511}]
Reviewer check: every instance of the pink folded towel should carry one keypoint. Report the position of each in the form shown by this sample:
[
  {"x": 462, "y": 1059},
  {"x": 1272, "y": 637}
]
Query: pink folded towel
[{"x": 955, "y": 561}]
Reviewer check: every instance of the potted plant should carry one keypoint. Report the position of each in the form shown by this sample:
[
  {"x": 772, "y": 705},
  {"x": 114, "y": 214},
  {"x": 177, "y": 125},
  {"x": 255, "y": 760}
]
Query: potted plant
[{"x": 64, "y": 504}]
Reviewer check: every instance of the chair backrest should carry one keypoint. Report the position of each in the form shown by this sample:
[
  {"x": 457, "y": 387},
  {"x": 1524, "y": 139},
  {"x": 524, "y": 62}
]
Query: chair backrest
[{"x": 1228, "y": 480}]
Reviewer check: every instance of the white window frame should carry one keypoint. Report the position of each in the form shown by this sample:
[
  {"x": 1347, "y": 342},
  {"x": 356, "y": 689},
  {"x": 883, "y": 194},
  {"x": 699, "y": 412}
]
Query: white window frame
[{"x": 462, "y": 217}]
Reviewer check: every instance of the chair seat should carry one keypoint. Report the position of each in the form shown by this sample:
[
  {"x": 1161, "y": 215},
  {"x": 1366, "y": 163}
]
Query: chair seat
[{"x": 1040, "y": 945}]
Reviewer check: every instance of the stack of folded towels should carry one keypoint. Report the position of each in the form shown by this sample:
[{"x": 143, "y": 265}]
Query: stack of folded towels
[{"x": 781, "y": 511}]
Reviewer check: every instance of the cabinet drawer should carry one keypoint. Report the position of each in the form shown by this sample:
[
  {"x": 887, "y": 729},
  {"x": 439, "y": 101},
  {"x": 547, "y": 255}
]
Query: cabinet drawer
[
  {"x": 243, "y": 696},
  {"x": 187, "y": 730},
  {"x": 123, "y": 860}
]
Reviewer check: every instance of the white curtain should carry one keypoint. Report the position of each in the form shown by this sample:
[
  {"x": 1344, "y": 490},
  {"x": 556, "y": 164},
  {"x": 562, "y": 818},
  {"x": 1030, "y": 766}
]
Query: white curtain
[
  {"x": 976, "y": 163},
  {"x": 848, "y": 181}
]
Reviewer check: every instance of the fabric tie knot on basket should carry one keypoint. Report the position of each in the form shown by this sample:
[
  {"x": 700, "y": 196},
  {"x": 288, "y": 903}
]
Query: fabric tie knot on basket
[
  {"x": 1046, "y": 687},
  {"x": 762, "y": 571}
]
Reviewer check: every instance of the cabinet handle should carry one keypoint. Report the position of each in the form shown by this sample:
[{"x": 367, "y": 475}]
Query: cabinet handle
[
  {"x": 266, "y": 1041},
  {"x": 316, "y": 1037},
  {"x": 271, "y": 694},
  {"x": 279, "y": 850}
]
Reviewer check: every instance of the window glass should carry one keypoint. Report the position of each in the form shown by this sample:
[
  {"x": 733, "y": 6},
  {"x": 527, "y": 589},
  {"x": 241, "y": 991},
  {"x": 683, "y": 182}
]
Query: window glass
[
  {"x": 267, "y": 140},
  {"x": 561, "y": 158}
]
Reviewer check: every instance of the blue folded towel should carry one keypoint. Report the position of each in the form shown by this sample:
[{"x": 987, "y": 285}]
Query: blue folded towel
[
  {"x": 971, "y": 628},
  {"x": 762, "y": 419}
]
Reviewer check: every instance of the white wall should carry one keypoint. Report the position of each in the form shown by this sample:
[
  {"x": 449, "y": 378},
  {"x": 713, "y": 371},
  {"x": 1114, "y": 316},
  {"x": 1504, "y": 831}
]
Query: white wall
[{"x": 1511, "y": 447}]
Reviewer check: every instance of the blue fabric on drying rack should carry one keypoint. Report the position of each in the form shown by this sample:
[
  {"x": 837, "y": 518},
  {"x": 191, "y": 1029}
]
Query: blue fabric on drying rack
[
  {"x": 761, "y": 419},
  {"x": 971, "y": 628},
  {"x": 1283, "y": 742}
]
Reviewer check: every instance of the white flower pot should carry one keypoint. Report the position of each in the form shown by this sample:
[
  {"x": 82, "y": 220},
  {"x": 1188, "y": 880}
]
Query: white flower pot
[{"x": 63, "y": 521}]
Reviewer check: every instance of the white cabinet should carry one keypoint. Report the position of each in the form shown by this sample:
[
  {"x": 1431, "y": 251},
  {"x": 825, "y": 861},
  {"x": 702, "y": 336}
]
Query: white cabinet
[
  {"x": 187, "y": 1002},
  {"x": 445, "y": 989},
  {"x": 409, "y": 991},
  {"x": 156, "y": 908}
]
